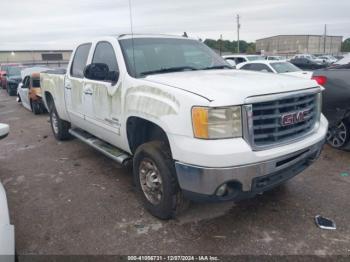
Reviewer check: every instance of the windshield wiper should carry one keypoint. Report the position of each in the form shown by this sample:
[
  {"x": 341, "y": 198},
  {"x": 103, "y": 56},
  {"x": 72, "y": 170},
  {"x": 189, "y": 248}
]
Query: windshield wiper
[
  {"x": 168, "y": 70},
  {"x": 217, "y": 67}
]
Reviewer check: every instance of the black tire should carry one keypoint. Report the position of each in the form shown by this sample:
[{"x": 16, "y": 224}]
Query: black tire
[
  {"x": 172, "y": 201},
  {"x": 36, "y": 108},
  {"x": 60, "y": 128},
  {"x": 19, "y": 100},
  {"x": 339, "y": 136}
]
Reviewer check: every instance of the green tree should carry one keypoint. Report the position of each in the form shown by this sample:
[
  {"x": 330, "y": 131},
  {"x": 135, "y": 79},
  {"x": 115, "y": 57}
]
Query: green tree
[
  {"x": 346, "y": 46},
  {"x": 230, "y": 46}
]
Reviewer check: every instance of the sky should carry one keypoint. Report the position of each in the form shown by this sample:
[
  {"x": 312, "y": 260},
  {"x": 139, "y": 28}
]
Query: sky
[{"x": 61, "y": 24}]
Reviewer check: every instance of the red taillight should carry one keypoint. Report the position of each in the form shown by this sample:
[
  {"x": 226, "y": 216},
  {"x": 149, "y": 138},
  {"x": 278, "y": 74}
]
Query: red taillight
[{"x": 321, "y": 80}]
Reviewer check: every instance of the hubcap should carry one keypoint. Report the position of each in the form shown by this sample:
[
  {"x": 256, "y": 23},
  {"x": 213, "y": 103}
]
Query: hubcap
[
  {"x": 54, "y": 121},
  {"x": 337, "y": 136},
  {"x": 151, "y": 181}
]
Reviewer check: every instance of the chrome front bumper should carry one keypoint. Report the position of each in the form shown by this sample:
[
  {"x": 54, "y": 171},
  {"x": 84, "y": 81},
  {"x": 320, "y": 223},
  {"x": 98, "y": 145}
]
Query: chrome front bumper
[{"x": 205, "y": 181}]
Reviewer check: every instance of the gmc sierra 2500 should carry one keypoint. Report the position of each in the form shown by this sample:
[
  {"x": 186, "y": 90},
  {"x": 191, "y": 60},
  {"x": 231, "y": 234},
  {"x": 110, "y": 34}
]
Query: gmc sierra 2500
[{"x": 192, "y": 127}]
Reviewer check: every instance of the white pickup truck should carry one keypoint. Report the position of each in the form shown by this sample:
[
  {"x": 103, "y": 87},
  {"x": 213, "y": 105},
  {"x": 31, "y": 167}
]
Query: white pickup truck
[{"x": 193, "y": 127}]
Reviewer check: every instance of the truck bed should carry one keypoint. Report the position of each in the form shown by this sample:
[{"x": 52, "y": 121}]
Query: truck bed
[{"x": 52, "y": 82}]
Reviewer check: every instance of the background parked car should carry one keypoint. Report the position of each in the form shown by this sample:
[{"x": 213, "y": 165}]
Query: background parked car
[
  {"x": 3, "y": 73},
  {"x": 307, "y": 64},
  {"x": 29, "y": 90},
  {"x": 234, "y": 60},
  {"x": 13, "y": 78},
  {"x": 276, "y": 58},
  {"x": 328, "y": 59},
  {"x": 276, "y": 67},
  {"x": 336, "y": 103},
  {"x": 312, "y": 58},
  {"x": 7, "y": 236}
]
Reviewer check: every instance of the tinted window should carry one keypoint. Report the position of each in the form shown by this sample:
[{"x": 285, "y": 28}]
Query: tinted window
[
  {"x": 36, "y": 83},
  {"x": 240, "y": 60},
  {"x": 259, "y": 67},
  {"x": 284, "y": 67},
  {"x": 14, "y": 71},
  {"x": 246, "y": 67},
  {"x": 26, "y": 82},
  {"x": 104, "y": 53},
  {"x": 79, "y": 61}
]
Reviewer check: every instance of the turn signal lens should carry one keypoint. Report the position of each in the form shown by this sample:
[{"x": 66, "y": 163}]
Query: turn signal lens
[{"x": 200, "y": 122}]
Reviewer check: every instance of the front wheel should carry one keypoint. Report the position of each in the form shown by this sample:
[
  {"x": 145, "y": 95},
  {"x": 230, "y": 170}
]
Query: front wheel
[
  {"x": 155, "y": 178},
  {"x": 338, "y": 136},
  {"x": 19, "y": 100},
  {"x": 60, "y": 128}
]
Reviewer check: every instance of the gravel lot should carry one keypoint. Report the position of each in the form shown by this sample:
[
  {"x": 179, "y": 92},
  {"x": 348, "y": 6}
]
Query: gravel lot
[{"x": 66, "y": 198}]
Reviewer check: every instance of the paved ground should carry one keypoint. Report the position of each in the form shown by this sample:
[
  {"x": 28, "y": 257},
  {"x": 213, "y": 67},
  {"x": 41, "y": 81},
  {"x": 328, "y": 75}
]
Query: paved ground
[{"x": 66, "y": 198}]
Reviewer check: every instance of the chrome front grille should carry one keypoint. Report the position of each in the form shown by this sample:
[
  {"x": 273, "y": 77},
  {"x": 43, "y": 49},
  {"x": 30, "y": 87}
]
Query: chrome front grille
[{"x": 267, "y": 127}]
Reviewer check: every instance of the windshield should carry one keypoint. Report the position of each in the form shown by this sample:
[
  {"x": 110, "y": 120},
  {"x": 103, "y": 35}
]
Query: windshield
[
  {"x": 14, "y": 71},
  {"x": 285, "y": 67},
  {"x": 164, "y": 55},
  {"x": 255, "y": 58}
]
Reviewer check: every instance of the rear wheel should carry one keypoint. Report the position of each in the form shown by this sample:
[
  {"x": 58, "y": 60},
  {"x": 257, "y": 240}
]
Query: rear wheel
[
  {"x": 60, "y": 128},
  {"x": 338, "y": 136},
  {"x": 155, "y": 178},
  {"x": 36, "y": 108}
]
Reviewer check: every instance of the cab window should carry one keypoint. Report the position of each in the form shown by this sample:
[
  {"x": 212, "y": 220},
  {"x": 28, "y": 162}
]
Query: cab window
[
  {"x": 79, "y": 60},
  {"x": 260, "y": 67},
  {"x": 35, "y": 82},
  {"x": 104, "y": 53}
]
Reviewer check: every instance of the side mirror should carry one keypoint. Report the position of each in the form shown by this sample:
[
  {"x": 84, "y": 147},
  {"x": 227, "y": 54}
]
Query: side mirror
[
  {"x": 264, "y": 70},
  {"x": 97, "y": 71},
  {"x": 4, "y": 130},
  {"x": 100, "y": 72}
]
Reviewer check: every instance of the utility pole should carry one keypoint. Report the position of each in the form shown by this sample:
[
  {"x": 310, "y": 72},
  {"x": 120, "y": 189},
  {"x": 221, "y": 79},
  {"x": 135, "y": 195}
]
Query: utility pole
[
  {"x": 324, "y": 39},
  {"x": 220, "y": 46},
  {"x": 238, "y": 28}
]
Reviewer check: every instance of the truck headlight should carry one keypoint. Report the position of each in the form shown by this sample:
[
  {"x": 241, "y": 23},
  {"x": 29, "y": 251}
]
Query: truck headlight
[{"x": 217, "y": 123}]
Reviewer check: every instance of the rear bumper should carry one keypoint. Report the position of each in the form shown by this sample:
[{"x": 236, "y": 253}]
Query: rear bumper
[{"x": 201, "y": 183}]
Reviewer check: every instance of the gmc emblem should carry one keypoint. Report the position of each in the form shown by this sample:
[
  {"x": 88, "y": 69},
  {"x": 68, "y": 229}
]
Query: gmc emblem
[{"x": 293, "y": 118}]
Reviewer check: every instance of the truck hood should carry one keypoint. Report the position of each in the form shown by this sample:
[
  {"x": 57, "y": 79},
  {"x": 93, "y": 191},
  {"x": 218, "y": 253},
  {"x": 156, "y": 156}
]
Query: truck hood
[{"x": 231, "y": 87}]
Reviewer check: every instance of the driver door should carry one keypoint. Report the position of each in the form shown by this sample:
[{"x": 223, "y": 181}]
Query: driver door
[{"x": 102, "y": 99}]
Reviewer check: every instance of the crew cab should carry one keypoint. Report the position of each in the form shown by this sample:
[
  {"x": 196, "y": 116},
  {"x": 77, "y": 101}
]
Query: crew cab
[{"x": 192, "y": 127}]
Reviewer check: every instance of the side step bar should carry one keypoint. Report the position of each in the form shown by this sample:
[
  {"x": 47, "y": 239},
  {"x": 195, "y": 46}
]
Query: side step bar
[{"x": 105, "y": 148}]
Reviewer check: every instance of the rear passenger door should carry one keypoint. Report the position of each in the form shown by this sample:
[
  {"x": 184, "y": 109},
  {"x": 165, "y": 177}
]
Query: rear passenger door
[
  {"x": 103, "y": 107},
  {"x": 74, "y": 84}
]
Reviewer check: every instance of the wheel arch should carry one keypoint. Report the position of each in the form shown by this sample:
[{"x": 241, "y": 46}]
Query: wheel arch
[{"x": 140, "y": 130}]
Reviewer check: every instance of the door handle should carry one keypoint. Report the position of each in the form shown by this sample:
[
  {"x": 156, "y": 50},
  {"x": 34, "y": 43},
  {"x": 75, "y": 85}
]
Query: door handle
[{"x": 88, "y": 93}]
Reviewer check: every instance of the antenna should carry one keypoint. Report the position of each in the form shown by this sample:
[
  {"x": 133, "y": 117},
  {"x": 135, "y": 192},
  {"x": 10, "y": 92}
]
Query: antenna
[{"x": 132, "y": 36}]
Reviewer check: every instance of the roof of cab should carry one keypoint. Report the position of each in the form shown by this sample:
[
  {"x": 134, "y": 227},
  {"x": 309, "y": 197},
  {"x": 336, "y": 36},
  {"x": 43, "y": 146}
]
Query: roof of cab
[{"x": 129, "y": 36}]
